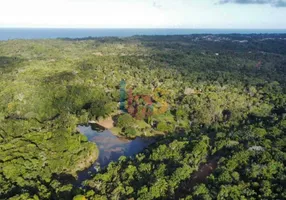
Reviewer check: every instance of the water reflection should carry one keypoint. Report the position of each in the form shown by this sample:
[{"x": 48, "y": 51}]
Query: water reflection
[{"x": 110, "y": 147}]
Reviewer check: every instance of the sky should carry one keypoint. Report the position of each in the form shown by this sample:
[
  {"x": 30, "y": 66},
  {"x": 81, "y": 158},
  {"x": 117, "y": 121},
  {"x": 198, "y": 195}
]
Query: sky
[{"x": 226, "y": 14}]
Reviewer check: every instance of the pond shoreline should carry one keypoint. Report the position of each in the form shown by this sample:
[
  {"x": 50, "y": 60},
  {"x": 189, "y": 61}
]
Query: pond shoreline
[
  {"x": 88, "y": 161},
  {"x": 110, "y": 147}
]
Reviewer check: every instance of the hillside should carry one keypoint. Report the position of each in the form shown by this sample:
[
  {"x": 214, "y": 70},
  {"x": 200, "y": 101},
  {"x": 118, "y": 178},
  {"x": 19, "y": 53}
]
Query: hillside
[{"x": 216, "y": 105}]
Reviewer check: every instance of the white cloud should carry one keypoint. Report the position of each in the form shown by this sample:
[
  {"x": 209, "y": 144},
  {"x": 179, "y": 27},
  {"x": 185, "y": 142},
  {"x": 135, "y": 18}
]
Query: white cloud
[
  {"x": 86, "y": 13},
  {"x": 137, "y": 14}
]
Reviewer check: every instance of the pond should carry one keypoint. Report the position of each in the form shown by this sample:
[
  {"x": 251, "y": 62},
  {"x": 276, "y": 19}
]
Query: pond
[{"x": 110, "y": 148}]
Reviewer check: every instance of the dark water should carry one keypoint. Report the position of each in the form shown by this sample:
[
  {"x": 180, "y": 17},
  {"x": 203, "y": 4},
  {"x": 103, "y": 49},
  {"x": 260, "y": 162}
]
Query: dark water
[
  {"x": 110, "y": 148},
  {"x": 46, "y": 33}
]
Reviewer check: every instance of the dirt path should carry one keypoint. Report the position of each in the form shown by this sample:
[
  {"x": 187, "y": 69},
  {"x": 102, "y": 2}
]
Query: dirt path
[
  {"x": 107, "y": 123},
  {"x": 197, "y": 177},
  {"x": 204, "y": 171}
]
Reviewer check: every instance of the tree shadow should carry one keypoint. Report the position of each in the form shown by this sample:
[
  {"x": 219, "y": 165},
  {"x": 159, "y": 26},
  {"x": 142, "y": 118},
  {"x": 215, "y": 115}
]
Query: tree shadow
[
  {"x": 10, "y": 64},
  {"x": 64, "y": 179},
  {"x": 65, "y": 76}
]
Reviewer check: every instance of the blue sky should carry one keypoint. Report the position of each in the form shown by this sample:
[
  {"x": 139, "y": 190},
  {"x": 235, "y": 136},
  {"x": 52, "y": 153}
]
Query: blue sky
[{"x": 259, "y": 14}]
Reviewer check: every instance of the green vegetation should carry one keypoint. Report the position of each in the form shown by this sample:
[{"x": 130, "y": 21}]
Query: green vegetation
[{"x": 220, "y": 102}]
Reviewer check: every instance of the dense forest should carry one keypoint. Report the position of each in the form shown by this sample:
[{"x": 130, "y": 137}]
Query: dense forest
[{"x": 215, "y": 105}]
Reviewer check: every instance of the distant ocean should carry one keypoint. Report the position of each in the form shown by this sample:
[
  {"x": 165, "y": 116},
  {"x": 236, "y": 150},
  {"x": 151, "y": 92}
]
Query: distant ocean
[{"x": 46, "y": 33}]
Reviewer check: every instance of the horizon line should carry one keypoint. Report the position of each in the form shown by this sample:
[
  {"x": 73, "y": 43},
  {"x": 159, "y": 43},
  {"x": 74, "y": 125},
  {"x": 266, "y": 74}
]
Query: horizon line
[{"x": 5, "y": 27}]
